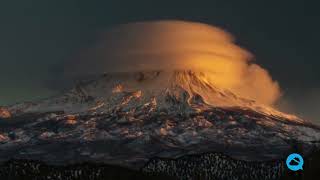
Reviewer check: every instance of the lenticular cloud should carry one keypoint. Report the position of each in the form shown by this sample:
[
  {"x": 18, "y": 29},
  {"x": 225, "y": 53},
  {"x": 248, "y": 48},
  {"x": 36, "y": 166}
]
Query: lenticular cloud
[{"x": 177, "y": 45}]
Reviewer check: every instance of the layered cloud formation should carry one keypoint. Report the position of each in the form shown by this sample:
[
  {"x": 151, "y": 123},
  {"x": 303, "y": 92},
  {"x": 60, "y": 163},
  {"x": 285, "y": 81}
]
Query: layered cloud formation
[{"x": 178, "y": 45}]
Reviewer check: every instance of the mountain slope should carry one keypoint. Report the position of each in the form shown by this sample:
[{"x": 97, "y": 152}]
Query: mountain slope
[{"x": 128, "y": 118}]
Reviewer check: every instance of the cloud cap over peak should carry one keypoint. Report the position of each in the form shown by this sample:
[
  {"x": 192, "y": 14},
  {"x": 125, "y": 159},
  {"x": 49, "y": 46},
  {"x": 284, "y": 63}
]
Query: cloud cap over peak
[{"x": 177, "y": 45}]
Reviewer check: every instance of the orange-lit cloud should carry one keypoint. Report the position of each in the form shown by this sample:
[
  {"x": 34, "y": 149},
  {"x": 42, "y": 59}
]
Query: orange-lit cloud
[{"x": 179, "y": 45}]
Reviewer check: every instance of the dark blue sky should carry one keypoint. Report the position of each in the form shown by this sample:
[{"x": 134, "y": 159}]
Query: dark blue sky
[{"x": 36, "y": 37}]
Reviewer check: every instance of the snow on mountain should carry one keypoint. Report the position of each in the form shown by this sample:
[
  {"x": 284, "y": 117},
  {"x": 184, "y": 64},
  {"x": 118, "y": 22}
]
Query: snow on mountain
[
  {"x": 110, "y": 88},
  {"x": 128, "y": 118}
]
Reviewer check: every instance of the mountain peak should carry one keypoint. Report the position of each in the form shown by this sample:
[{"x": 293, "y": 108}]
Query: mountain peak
[
  {"x": 187, "y": 88},
  {"x": 151, "y": 114}
]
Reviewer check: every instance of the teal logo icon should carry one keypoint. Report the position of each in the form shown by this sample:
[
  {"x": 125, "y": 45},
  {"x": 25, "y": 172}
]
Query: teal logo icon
[{"x": 294, "y": 162}]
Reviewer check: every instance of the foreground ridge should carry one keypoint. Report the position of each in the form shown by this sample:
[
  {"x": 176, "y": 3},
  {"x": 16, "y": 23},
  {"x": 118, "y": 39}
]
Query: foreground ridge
[{"x": 204, "y": 166}]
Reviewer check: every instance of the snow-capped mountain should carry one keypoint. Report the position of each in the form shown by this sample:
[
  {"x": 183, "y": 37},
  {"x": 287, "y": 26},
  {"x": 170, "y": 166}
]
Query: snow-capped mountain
[{"x": 128, "y": 118}]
